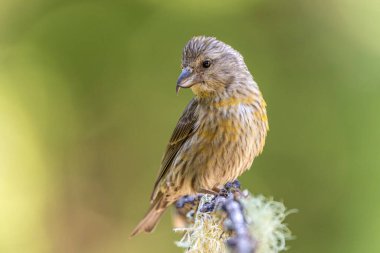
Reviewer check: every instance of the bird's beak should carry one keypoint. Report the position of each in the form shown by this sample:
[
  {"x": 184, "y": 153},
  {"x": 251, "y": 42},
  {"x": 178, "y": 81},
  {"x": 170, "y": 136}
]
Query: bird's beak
[{"x": 183, "y": 80}]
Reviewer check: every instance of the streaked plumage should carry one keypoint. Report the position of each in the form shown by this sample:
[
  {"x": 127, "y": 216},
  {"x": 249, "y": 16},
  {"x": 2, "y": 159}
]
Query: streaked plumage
[{"x": 220, "y": 132}]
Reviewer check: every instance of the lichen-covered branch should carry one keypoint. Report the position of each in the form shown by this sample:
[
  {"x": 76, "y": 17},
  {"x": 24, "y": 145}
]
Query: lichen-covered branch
[{"x": 231, "y": 221}]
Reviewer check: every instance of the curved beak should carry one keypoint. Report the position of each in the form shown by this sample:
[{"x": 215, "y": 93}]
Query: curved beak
[{"x": 183, "y": 79}]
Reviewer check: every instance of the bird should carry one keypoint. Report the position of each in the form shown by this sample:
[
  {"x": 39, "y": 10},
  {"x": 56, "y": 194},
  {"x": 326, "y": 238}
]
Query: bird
[{"x": 222, "y": 129}]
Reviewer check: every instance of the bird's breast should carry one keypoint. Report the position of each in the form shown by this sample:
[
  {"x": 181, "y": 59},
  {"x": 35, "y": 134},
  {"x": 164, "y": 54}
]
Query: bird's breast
[
  {"x": 227, "y": 139},
  {"x": 225, "y": 143}
]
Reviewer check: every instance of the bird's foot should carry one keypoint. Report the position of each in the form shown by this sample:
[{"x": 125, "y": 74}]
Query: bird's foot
[{"x": 232, "y": 185}]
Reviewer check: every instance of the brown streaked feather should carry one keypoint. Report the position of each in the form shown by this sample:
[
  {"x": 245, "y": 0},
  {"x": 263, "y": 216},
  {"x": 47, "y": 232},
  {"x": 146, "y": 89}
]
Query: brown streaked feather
[{"x": 184, "y": 129}]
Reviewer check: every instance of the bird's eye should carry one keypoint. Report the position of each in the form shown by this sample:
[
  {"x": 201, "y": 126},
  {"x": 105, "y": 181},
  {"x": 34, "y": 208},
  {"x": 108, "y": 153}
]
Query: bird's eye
[{"x": 206, "y": 64}]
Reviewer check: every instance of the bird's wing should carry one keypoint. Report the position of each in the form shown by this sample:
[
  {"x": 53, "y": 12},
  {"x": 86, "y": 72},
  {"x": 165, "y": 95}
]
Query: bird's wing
[{"x": 184, "y": 129}]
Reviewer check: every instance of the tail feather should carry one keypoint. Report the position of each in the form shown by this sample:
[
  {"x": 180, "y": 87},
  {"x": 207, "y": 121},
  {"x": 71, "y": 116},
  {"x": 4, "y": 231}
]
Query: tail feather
[{"x": 150, "y": 220}]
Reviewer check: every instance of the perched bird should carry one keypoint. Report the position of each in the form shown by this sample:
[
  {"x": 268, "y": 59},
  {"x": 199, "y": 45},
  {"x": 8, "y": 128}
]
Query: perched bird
[{"x": 221, "y": 131}]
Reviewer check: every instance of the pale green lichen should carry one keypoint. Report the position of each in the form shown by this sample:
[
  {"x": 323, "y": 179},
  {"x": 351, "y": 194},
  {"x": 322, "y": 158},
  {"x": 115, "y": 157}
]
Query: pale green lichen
[
  {"x": 265, "y": 219},
  {"x": 206, "y": 234}
]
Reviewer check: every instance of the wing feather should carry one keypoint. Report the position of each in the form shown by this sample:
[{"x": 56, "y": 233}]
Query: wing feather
[{"x": 184, "y": 129}]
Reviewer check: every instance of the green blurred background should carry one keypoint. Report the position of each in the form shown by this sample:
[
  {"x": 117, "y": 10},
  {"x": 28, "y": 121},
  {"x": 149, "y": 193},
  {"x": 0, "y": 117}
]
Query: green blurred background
[{"x": 87, "y": 104}]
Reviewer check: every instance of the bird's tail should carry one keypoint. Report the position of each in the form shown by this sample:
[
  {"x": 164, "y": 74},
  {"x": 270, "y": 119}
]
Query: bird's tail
[{"x": 150, "y": 220}]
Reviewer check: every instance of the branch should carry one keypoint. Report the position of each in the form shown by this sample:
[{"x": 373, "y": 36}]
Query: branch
[{"x": 231, "y": 221}]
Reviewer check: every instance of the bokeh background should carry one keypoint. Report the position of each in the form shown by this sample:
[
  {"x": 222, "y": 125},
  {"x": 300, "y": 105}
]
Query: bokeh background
[{"x": 87, "y": 104}]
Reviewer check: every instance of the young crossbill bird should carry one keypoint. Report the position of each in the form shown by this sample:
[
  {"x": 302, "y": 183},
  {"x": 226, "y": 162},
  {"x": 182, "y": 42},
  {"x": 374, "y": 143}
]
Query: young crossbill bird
[{"x": 221, "y": 131}]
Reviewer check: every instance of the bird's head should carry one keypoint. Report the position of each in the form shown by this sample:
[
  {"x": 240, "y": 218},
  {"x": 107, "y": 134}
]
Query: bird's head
[{"x": 210, "y": 67}]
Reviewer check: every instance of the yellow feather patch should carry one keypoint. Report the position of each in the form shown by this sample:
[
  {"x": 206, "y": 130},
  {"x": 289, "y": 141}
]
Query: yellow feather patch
[
  {"x": 224, "y": 126},
  {"x": 233, "y": 101}
]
